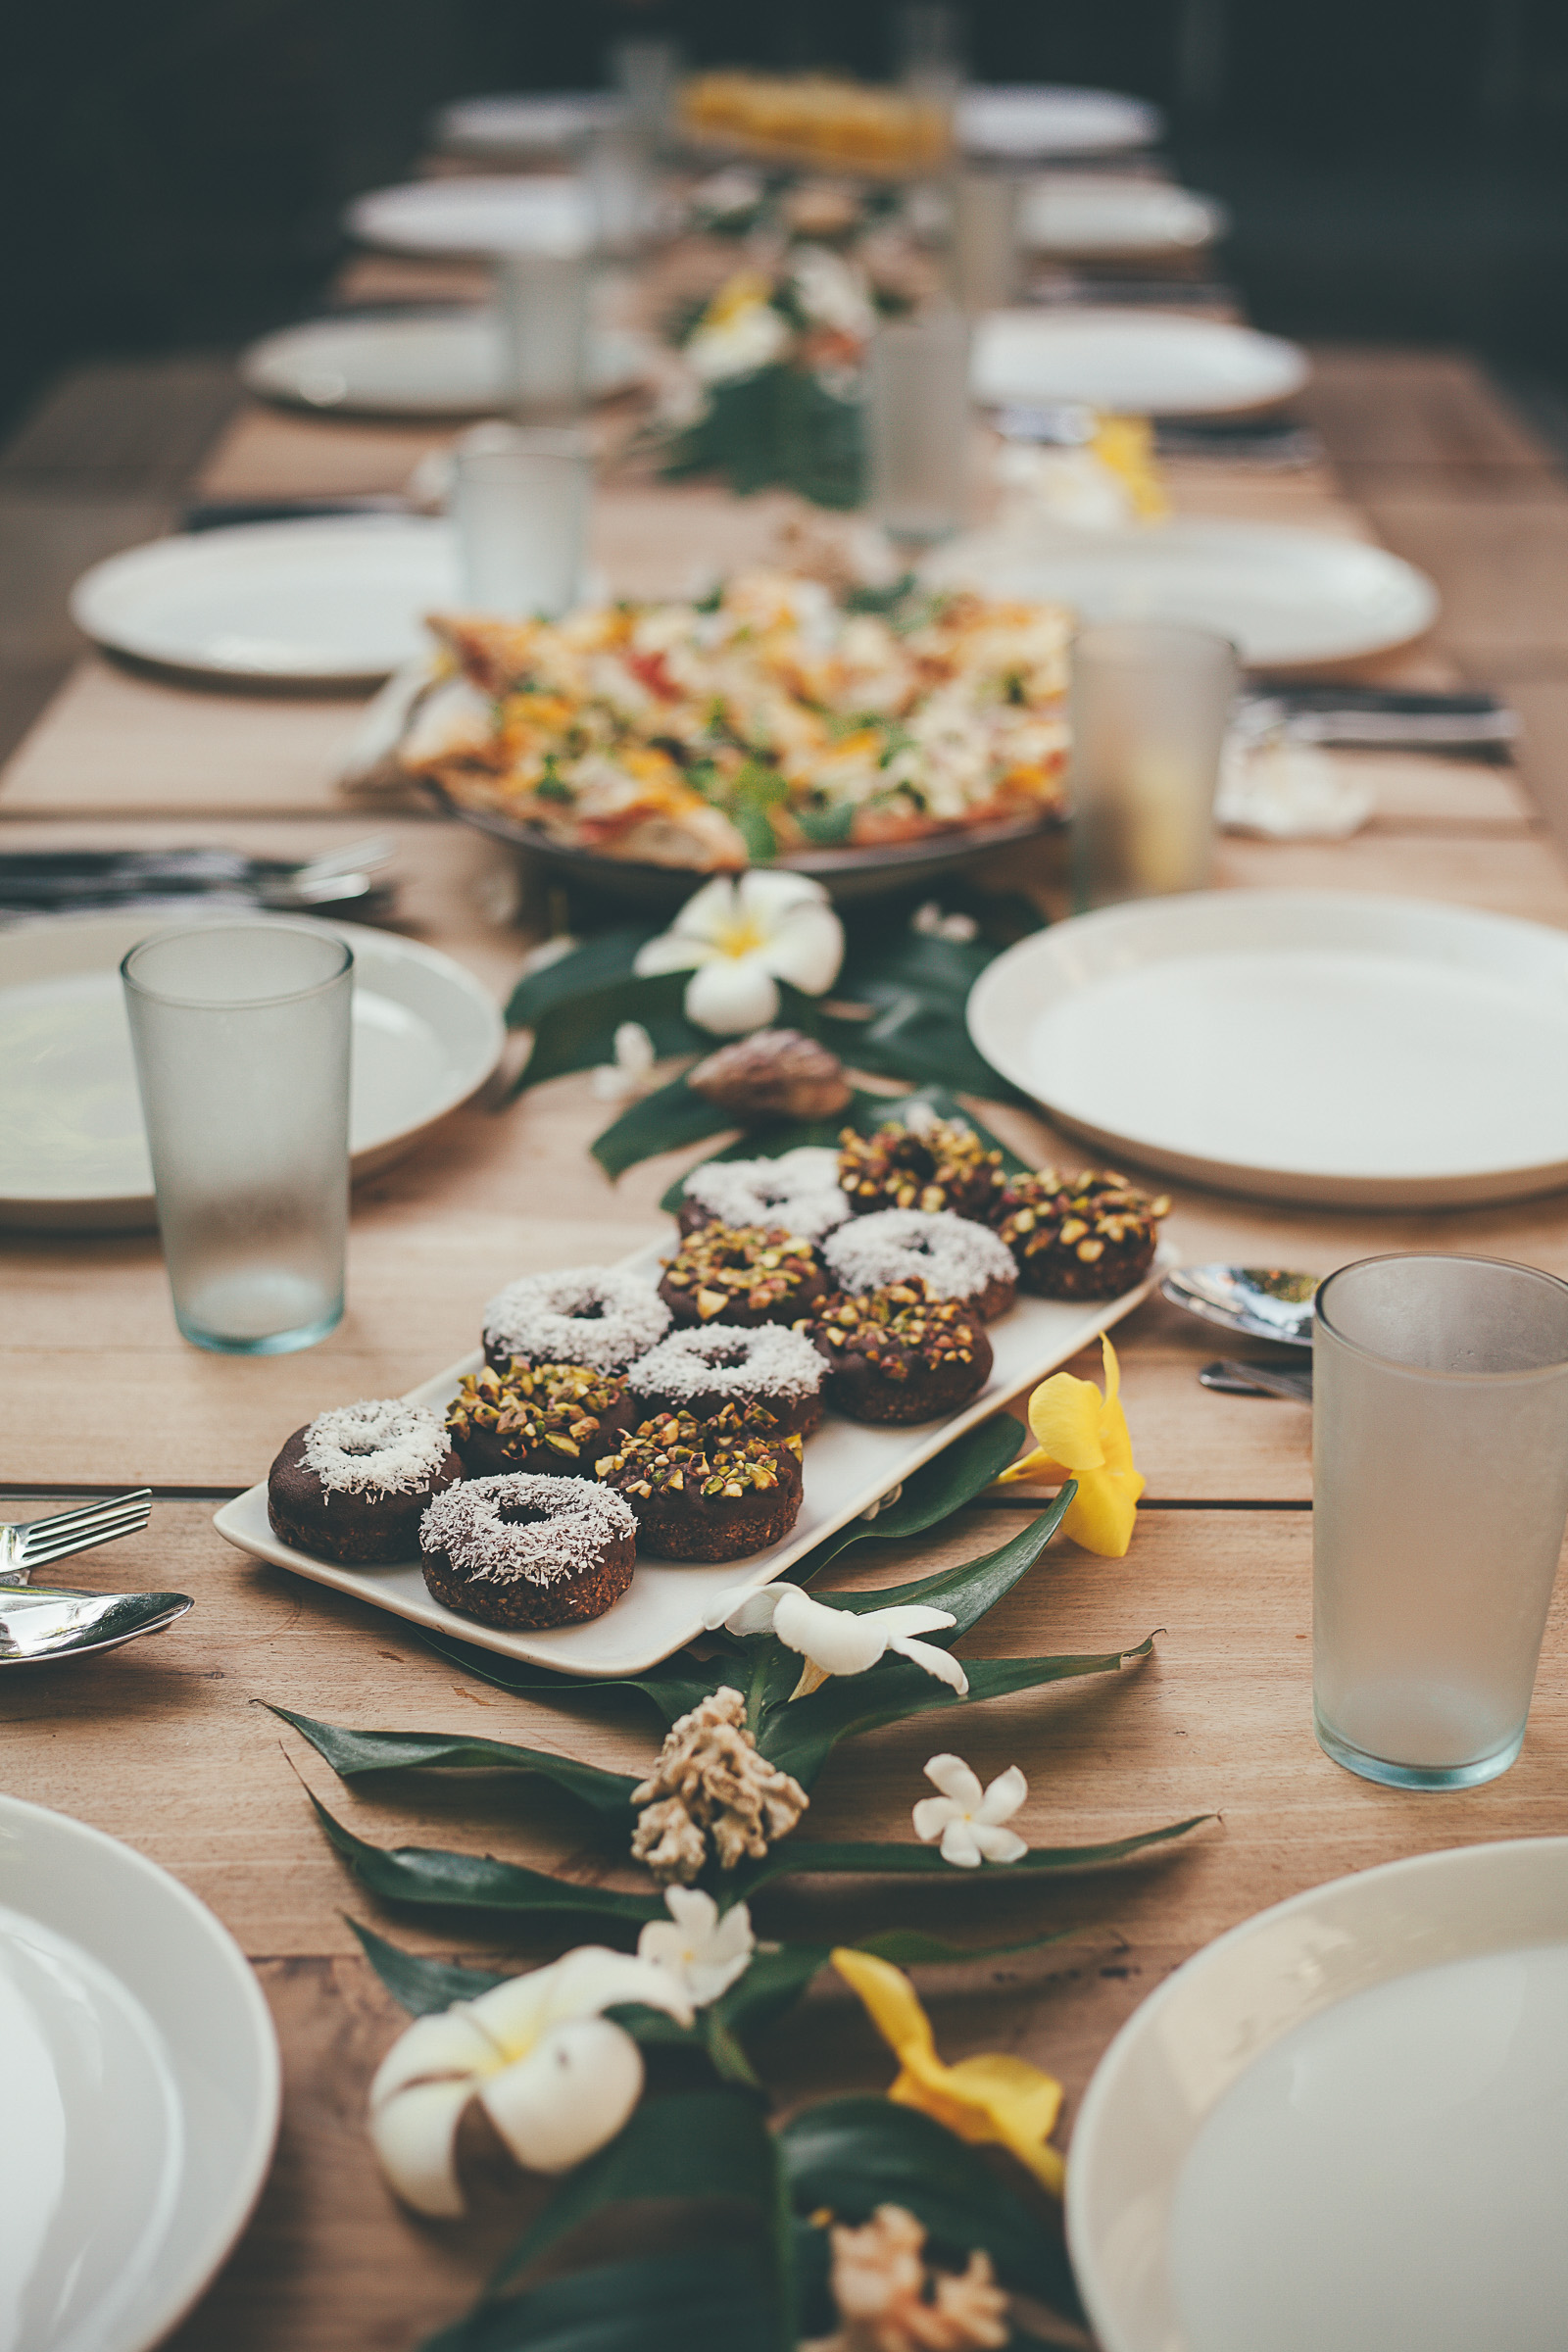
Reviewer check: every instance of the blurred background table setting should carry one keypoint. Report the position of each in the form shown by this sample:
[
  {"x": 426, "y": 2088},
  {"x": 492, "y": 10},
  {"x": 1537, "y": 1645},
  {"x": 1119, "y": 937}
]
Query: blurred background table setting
[{"x": 793, "y": 592}]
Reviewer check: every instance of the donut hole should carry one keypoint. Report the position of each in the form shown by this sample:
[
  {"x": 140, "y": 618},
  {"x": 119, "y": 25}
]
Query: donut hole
[
  {"x": 518, "y": 1514},
  {"x": 361, "y": 1446},
  {"x": 592, "y": 1310},
  {"x": 727, "y": 1358}
]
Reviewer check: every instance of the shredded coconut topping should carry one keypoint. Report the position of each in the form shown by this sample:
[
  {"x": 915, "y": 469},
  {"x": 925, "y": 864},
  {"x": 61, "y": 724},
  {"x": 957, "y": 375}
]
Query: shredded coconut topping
[
  {"x": 589, "y": 1316},
  {"x": 572, "y": 1522},
  {"x": 379, "y": 1446},
  {"x": 953, "y": 1256},
  {"x": 725, "y": 1360},
  {"x": 799, "y": 1188}
]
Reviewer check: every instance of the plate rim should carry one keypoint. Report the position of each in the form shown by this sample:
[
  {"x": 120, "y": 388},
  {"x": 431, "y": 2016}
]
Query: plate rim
[
  {"x": 359, "y": 212},
  {"x": 1144, "y": 121},
  {"x": 1470, "y": 1188},
  {"x": 258, "y": 357},
  {"x": 265, "y": 2049},
  {"x": 1292, "y": 360},
  {"x": 927, "y": 1439},
  {"x": 1212, "y": 211},
  {"x": 1353, "y": 1890},
  {"x": 29, "y": 1211},
  {"x": 178, "y": 550}
]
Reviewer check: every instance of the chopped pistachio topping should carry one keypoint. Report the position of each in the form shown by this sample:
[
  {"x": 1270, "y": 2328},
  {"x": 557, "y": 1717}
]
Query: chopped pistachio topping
[
  {"x": 673, "y": 1452},
  {"x": 901, "y": 1325},
  {"x": 940, "y": 1165},
  {"x": 724, "y": 1266},
  {"x": 560, "y": 1406},
  {"x": 1085, "y": 1213}
]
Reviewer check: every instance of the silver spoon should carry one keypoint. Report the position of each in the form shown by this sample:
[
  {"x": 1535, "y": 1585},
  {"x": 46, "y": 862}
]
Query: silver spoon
[
  {"x": 39, "y": 1624},
  {"x": 1266, "y": 1302}
]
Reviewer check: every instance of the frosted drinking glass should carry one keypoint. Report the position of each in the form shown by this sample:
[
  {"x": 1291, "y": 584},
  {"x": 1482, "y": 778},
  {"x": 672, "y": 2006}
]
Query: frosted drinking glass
[
  {"x": 544, "y": 304},
  {"x": 241, "y": 1032},
  {"x": 985, "y": 239},
  {"x": 1149, "y": 704},
  {"x": 1440, "y": 1492},
  {"x": 917, "y": 424},
  {"x": 519, "y": 498}
]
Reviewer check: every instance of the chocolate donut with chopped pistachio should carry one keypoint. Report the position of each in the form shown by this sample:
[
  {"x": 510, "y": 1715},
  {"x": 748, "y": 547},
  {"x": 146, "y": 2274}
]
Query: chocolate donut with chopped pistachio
[
  {"x": 708, "y": 1490},
  {"x": 900, "y": 1355},
  {"x": 1090, "y": 1235},
  {"x": 743, "y": 1274},
  {"x": 700, "y": 1372},
  {"x": 549, "y": 1420},
  {"x": 926, "y": 1163}
]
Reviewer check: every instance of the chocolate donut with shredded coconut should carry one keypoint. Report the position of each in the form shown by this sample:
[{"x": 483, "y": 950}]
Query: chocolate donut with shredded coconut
[
  {"x": 528, "y": 1552},
  {"x": 701, "y": 1371},
  {"x": 597, "y": 1316},
  {"x": 955, "y": 1257},
  {"x": 800, "y": 1191},
  {"x": 351, "y": 1485}
]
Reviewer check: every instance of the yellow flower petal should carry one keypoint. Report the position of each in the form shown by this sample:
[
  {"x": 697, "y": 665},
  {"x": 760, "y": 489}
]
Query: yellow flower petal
[
  {"x": 994, "y": 2098},
  {"x": 1084, "y": 1435}
]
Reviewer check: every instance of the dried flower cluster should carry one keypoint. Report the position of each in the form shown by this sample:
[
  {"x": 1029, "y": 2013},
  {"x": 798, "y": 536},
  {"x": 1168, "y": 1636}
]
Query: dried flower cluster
[
  {"x": 712, "y": 1792},
  {"x": 726, "y": 1266},
  {"x": 901, "y": 1325},
  {"x": 932, "y": 1165},
  {"x": 673, "y": 1454},
  {"x": 889, "y": 2302},
  {"x": 558, "y": 1405}
]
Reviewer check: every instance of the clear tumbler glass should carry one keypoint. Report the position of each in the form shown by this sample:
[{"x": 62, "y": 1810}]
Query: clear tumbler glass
[
  {"x": 241, "y": 1032},
  {"x": 985, "y": 239},
  {"x": 1149, "y": 704},
  {"x": 520, "y": 497},
  {"x": 1440, "y": 1492},
  {"x": 544, "y": 301},
  {"x": 917, "y": 424}
]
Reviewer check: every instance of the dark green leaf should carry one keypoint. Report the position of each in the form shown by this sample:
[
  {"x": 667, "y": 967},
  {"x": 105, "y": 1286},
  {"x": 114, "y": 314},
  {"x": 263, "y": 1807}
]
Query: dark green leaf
[
  {"x": 853, "y": 2155},
  {"x": 751, "y": 823},
  {"x": 354, "y": 1754},
  {"x": 972, "y": 1587},
  {"x": 595, "y": 964},
  {"x": 580, "y": 1033},
  {"x": 798, "y": 1857},
  {"x": 480, "y": 1886},
  {"x": 712, "y": 2295},
  {"x": 665, "y": 1121},
  {"x": 931, "y": 1494},
  {"x": 417, "y": 1985}
]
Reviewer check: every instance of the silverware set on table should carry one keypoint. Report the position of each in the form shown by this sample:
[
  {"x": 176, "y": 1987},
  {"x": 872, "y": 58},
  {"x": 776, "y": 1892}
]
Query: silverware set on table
[
  {"x": 1259, "y": 1302},
  {"x": 44, "y": 1623},
  {"x": 45, "y": 882}
]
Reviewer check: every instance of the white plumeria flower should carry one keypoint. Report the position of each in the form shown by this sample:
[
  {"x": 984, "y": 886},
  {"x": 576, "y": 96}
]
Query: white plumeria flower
[
  {"x": 704, "y": 1952},
  {"x": 739, "y": 939},
  {"x": 838, "y": 1641},
  {"x": 969, "y": 1820},
  {"x": 752, "y": 336},
  {"x": 628, "y": 1075},
  {"x": 554, "y": 2077}
]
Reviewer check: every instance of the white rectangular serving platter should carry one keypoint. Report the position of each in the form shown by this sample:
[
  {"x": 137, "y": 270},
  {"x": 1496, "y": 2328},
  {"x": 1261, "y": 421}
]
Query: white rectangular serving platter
[{"x": 849, "y": 1468}]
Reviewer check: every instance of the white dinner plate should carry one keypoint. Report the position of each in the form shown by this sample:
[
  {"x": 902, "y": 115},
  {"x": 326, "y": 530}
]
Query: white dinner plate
[
  {"x": 1344, "y": 2124},
  {"x": 1098, "y": 216},
  {"x": 1038, "y": 118},
  {"x": 1285, "y": 599},
  {"x": 140, "y": 2084},
  {"x": 73, "y": 1150},
  {"x": 512, "y": 127},
  {"x": 1136, "y": 363},
  {"x": 1317, "y": 1046},
  {"x": 849, "y": 1466},
  {"x": 549, "y": 212},
  {"x": 450, "y": 365},
  {"x": 339, "y": 601}
]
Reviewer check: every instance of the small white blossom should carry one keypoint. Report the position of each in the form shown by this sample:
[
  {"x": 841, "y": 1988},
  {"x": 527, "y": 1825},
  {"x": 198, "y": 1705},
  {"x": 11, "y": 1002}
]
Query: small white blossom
[
  {"x": 838, "y": 1641},
  {"x": 969, "y": 1820},
  {"x": 932, "y": 923},
  {"x": 831, "y": 291},
  {"x": 706, "y": 1953},
  {"x": 631, "y": 1071}
]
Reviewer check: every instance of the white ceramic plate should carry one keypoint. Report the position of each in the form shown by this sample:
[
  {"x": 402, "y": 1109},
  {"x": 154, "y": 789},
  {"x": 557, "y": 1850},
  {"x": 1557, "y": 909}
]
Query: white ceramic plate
[
  {"x": 1093, "y": 214},
  {"x": 339, "y": 601},
  {"x": 1317, "y": 1047},
  {"x": 1285, "y": 599},
  {"x": 849, "y": 1466},
  {"x": 141, "y": 2088},
  {"x": 549, "y": 212},
  {"x": 445, "y": 366},
  {"x": 72, "y": 1151},
  {"x": 1344, "y": 2124},
  {"x": 1136, "y": 363},
  {"x": 1037, "y": 118},
  {"x": 503, "y": 128}
]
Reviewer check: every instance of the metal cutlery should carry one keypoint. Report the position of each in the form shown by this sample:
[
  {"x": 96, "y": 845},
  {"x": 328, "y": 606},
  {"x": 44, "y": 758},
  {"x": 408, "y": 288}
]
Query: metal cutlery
[
  {"x": 82, "y": 881},
  {"x": 39, "y": 1625},
  {"x": 31, "y": 1544},
  {"x": 1382, "y": 719},
  {"x": 1233, "y": 1377},
  {"x": 1265, "y": 1303},
  {"x": 226, "y": 513}
]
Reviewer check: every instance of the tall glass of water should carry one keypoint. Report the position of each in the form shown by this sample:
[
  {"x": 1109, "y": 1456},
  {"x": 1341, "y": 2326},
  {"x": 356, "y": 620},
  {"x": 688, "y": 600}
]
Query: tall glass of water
[
  {"x": 241, "y": 1032},
  {"x": 1150, "y": 701},
  {"x": 1440, "y": 1492},
  {"x": 520, "y": 497},
  {"x": 917, "y": 424}
]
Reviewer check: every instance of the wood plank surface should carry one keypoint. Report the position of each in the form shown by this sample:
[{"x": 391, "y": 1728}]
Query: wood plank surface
[{"x": 165, "y": 1743}]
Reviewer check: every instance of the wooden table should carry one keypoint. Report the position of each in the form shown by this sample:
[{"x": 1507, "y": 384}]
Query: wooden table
[{"x": 165, "y": 1745}]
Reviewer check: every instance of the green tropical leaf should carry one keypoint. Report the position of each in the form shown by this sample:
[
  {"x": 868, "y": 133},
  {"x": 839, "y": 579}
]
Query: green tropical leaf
[
  {"x": 419, "y": 1986},
  {"x": 800, "y": 1857},
  {"x": 931, "y": 1494},
  {"x": 580, "y": 1033},
  {"x": 712, "y": 2295},
  {"x": 596, "y": 963},
  {"x": 477, "y": 1885},
  {"x": 355, "y": 1754},
  {"x": 849, "y": 2156},
  {"x": 666, "y": 1120},
  {"x": 673, "y": 1688}
]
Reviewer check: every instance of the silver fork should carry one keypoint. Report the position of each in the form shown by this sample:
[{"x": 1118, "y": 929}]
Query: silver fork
[{"x": 33, "y": 1542}]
